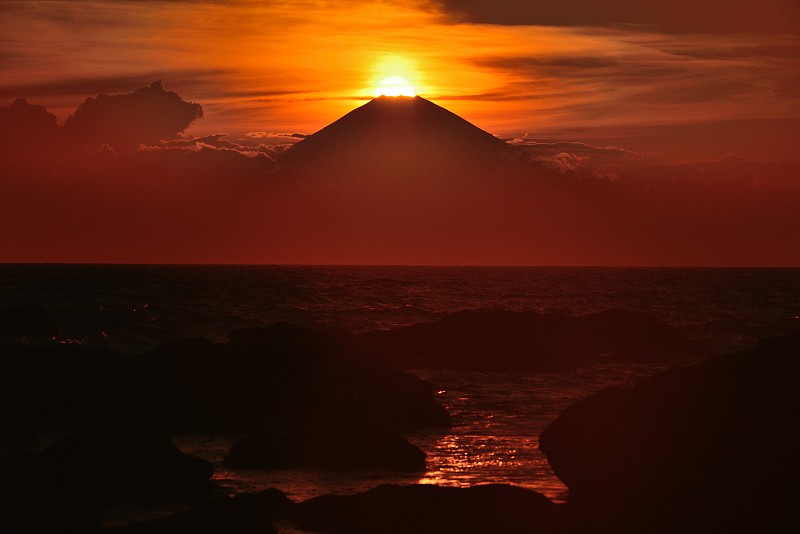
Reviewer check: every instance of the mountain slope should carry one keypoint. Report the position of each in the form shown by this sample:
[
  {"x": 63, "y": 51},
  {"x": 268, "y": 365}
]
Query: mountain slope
[{"x": 410, "y": 132}]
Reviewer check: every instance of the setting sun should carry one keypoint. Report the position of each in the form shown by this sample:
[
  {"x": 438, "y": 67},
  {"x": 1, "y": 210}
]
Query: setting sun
[{"x": 394, "y": 86}]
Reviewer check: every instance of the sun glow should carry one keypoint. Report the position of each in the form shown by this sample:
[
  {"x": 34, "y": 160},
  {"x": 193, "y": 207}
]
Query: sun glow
[{"x": 394, "y": 86}]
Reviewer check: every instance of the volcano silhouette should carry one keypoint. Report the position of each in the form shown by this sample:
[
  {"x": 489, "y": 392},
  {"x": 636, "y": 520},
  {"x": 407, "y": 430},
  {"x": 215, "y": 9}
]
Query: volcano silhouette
[{"x": 405, "y": 132}]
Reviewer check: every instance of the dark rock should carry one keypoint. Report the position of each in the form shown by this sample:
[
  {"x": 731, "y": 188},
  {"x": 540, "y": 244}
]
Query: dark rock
[
  {"x": 246, "y": 513},
  {"x": 265, "y": 378},
  {"x": 706, "y": 448},
  {"x": 66, "y": 486},
  {"x": 336, "y": 448},
  {"x": 18, "y": 437},
  {"x": 274, "y": 378},
  {"x": 127, "y": 464},
  {"x": 60, "y": 388},
  {"x": 498, "y": 340},
  {"x": 25, "y": 321},
  {"x": 111, "y": 466},
  {"x": 39, "y": 499},
  {"x": 426, "y": 508}
]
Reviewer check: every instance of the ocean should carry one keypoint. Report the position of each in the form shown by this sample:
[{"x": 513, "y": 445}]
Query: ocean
[{"x": 497, "y": 417}]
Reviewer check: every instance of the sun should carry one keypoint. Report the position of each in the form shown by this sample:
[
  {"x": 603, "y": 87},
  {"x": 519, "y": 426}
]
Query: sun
[{"x": 394, "y": 86}]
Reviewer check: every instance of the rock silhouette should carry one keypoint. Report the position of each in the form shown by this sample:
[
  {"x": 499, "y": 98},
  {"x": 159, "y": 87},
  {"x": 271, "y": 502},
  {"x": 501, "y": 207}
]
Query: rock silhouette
[
  {"x": 36, "y": 498},
  {"x": 246, "y": 513},
  {"x": 66, "y": 485},
  {"x": 59, "y": 389},
  {"x": 706, "y": 448},
  {"x": 498, "y": 340},
  {"x": 425, "y": 508},
  {"x": 278, "y": 377},
  {"x": 275, "y": 378},
  {"x": 281, "y": 376},
  {"x": 328, "y": 447},
  {"x": 691, "y": 449},
  {"x": 128, "y": 463}
]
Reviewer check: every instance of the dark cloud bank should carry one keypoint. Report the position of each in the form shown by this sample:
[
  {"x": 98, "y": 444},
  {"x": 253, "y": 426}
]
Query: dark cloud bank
[
  {"x": 120, "y": 182},
  {"x": 678, "y": 16}
]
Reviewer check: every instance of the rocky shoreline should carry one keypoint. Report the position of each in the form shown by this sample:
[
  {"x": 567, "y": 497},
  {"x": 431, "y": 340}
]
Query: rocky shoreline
[{"x": 690, "y": 449}]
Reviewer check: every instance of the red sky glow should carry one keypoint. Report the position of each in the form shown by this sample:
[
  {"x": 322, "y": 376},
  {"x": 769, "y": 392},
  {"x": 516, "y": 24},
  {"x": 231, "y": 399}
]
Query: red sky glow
[{"x": 645, "y": 133}]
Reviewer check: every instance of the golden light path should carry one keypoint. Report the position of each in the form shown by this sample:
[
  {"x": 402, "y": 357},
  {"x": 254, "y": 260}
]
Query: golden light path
[{"x": 394, "y": 86}]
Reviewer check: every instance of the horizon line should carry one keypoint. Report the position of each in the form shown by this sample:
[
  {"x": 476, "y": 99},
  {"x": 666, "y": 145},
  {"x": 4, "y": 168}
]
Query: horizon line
[{"x": 405, "y": 265}]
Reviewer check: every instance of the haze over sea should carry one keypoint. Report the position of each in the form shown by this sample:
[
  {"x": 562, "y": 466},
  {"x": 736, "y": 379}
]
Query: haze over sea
[{"x": 497, "y": 416}]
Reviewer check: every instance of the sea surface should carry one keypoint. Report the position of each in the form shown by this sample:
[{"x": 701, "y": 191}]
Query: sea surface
[{"x": 497, "y": 416}]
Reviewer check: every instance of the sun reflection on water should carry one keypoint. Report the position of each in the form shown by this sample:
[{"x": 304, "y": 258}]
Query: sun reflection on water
[{"x": 497, "y": 418}]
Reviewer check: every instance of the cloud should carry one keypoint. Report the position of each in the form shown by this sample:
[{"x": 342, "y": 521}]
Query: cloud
[
  {"x": 262, "y": 135},
  {"x": 725, "y": 175},
  {"x": 329, "y": 51},
  {"x": 103, "y": 84},
  {"x": 217, "y": 142},
  {"x": 150, "y": 119},
  {"x": 219, "y": 198},
  {"x": 652, "y": 76},
  {"x": 147, "y": 115},
  {"x": 558, "y": 159},
  {"x": 686, "y": 140},
  {"x": 24, "y": 123},
  {"x": 573, "y": 147},
  {"x": 202, "y": 163},
  {"x": 69, "y": 199},
  {"x": 777, "y": 47},
  {"x": 564, "y": 162},
  {"x": 677, "y": 16},
  {"x": 213, "y": 140}
]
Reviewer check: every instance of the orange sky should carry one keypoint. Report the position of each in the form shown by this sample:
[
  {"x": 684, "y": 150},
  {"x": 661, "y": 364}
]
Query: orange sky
[
  {"x": 645, "y": 133},
  {"x": 296, "y": 65}
]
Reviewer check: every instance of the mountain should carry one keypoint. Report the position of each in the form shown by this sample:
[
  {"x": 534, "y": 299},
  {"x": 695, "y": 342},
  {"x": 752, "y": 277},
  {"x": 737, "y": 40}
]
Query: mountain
[{"x": 390, "y": 132}]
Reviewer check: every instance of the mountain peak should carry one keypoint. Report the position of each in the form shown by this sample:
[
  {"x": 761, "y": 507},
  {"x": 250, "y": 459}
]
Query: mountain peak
[{"x": 397, "y": 130}]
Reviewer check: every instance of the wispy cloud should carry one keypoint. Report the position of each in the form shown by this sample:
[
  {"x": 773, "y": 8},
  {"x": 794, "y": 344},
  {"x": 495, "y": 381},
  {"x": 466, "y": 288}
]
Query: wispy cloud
[
  {"x": 679, "y": 16},
  {"x": 83, "y": 87},
  {"x": 509, "y": 67},
  {"x": 657, "y": 79}
]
